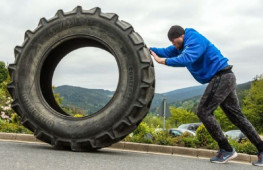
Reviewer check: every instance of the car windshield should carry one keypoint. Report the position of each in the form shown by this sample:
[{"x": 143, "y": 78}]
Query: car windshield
[
  {"x": 183, "y": 126},
  {"x": 233, "y": 134}
]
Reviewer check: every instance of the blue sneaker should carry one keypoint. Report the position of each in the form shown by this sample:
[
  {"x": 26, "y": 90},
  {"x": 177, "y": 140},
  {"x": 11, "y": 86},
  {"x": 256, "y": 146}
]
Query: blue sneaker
[
  {"x": 260, "y": 160},
  {"x": 223, "y": 156}
]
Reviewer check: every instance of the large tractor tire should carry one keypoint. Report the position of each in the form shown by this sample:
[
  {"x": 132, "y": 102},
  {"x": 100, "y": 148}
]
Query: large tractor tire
[{"x": 37, "y": 58}]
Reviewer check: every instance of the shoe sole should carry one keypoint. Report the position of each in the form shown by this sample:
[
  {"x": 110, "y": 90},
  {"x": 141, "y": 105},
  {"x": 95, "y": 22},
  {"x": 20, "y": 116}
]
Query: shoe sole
[
  {"x": 231, "y": 157},
  {"x": 258, "y": 165}
]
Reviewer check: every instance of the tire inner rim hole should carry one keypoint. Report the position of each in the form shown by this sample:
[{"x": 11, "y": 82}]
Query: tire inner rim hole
[{"x": 79, "y": 77}]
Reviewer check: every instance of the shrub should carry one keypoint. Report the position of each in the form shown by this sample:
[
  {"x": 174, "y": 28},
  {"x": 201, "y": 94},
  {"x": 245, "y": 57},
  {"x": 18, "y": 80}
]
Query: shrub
[
  {"x": 213, "y": 145},
  {"x": 189, "y": 142},
  {"x": 163, "y": 138},
  {"x": 138, "y": 139},
  {"x": 142, "y": 129},
  {"x": 142, "y": 134},
  {"x": 78, "y": 115},
  {"x": 145, "y": 134},
  {"x": 3, "y": 72},
  {"x": 15, "y": 119},
  {"x": 245, "y": 146},
  {"x": 203, "y": 136},
  {"x": 12, "y": 128},
  {"x": 253, "y": 104},
  {"x": 153, "y": 121}
]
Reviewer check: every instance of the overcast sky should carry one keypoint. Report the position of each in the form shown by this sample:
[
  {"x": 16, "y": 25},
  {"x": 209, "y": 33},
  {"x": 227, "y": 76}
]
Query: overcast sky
[{"x": 234, "y": 26}]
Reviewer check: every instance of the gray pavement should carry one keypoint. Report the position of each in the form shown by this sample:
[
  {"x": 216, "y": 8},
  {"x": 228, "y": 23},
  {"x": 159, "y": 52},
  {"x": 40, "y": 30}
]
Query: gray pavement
[
  {"x": 143, "y": 147},
  {"x": 32, "y": 156}
]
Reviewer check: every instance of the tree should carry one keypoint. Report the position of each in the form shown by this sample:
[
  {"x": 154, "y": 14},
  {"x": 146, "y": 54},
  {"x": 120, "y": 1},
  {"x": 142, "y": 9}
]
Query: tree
[
  {"x": 3, "y": 72},
  {"x": 182, "y": 116},
  {"x": 5, "y": 101},
  {"x": 153, "y": 121},
  {"x": 223, "y": 120},
  {"x": 57, "y": 97},
  {"x": 253, "y": 104}
]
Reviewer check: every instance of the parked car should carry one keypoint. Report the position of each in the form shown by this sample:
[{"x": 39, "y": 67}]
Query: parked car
[
  {"x": 236, "y": 135},
  {"x": 178, "y": 132},
  {"x": 190, "y": 126},
  {"x": 175, "y": 132}
]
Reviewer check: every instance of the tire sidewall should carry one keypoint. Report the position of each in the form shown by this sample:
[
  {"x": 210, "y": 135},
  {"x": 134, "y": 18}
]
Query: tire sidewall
[{"x": 30, "y": 63}]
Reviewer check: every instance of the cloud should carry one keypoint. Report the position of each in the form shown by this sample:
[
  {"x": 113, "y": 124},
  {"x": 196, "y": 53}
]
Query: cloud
[
  {"x": 88, "y": 67},
  {"x": 233, "y": 26}
]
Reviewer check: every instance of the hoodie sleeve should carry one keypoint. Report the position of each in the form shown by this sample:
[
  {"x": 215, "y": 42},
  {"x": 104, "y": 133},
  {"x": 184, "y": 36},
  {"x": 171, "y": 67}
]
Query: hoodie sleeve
[
  {"x": 192, "y": 51},
  {"x": 168, "y": 52}
]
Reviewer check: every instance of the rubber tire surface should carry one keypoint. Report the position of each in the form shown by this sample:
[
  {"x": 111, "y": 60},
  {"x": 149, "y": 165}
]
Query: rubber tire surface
[{"x": 37, "y": 58}]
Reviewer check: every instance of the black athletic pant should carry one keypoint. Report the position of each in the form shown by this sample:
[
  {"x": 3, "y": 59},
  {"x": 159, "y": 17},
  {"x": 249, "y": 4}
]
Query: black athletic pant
[{"x": 222, "y": 91}]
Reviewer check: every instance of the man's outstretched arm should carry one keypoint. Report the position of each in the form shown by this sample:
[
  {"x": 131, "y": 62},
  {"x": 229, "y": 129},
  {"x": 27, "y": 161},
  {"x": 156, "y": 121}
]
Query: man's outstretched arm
[
  {"x": 168, "y": 52},
  {"x": 157, "y": 58}
]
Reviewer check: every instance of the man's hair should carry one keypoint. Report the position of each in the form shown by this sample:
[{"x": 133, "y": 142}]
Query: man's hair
[{"x": 175, "y": 32}]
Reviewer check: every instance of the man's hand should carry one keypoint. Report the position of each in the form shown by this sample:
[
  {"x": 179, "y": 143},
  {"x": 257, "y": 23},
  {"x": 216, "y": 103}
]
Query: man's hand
[{"x": 158, "y": 59}]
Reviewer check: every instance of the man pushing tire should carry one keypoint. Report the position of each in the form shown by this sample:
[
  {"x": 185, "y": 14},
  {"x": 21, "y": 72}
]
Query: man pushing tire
[{"x": 205, "y": 62}]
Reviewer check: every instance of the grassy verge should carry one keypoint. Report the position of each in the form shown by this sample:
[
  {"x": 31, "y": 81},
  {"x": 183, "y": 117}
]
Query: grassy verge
[{"x": 144, "y": 134}]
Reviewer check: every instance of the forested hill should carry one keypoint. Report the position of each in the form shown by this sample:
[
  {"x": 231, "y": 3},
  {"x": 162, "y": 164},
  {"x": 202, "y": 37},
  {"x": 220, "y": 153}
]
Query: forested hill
[
  {"x": 177, "y": 95},
  {"x": 91, "y": 100}
]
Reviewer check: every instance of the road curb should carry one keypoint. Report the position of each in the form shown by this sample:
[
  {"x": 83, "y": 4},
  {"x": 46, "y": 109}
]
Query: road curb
[
  {"x": 149, "y": 148},
  {"x": 17, "y": 136}
]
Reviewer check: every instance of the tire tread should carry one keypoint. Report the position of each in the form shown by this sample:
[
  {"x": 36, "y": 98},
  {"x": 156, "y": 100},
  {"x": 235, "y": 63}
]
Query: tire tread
[{"x": 121, "y": 128}]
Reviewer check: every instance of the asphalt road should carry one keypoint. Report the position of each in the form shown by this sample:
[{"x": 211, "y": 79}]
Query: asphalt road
[{"x": 35, "y": 156}]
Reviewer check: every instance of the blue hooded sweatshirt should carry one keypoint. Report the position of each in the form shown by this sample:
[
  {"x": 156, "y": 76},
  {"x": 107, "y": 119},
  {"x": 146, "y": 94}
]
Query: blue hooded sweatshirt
[{"x": 198, "y": 54}]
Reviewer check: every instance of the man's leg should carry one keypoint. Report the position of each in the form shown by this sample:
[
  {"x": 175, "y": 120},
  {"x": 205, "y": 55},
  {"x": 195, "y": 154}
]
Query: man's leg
[
  {"x": 216, "y": 92},
  {"x": 220, "y": 88},
  {"x": 232, "y": 109}
]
